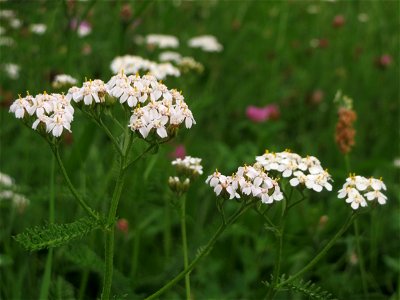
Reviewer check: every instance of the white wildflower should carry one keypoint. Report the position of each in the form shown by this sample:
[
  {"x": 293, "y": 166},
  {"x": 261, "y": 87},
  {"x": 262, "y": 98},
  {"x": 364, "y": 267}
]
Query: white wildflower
[
  {"x": 12, "y": 70},
  {"x": 207, "y": 43},
  {"x": 162, "y": 41},
  {"x": 355, "y": 185},
  {"x": 170, "y": 56},
  {"x": 38, "y": 28},
  {"x": 63, "y": 80},
  {"x": 189, "y": 165}
]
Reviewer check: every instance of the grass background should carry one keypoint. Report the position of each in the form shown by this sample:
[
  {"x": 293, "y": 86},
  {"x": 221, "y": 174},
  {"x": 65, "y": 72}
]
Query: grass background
[{"x": 267, "y": 58}]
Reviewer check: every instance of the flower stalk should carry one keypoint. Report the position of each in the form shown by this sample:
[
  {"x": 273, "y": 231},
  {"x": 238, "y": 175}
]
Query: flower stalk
[{"x": 184, "y": 245}]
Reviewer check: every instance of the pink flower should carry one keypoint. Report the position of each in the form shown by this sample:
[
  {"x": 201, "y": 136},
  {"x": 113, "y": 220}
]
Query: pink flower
[
  {"x": 262, "y": 114},
  {"x": 384, "y": 61},
  {"x": 338, "y": 21},
  {"x": 123, "y": 225},
  {"x": 179, "y": 152}
]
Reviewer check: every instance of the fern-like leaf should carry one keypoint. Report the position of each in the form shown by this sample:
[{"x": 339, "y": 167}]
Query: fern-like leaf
[
  {"x": 311, "y": 290},
  {"x": 55, "y": 235}
]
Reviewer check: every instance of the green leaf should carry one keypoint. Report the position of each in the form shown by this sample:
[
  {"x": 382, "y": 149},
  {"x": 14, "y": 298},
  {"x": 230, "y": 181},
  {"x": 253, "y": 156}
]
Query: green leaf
[{"x": 55, "y": 235}]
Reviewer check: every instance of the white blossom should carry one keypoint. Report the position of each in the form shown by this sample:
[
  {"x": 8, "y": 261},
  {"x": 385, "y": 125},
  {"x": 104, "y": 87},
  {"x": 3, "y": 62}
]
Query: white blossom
[
  {"x": 162, "y": 40},
  {"x": 207, "y": 43},
  {"x": 357, "y": 188},
  {"x": 305, "y": 171},
  {"x": 38, "y": 28},
  {"x": 62, "y": 80}
]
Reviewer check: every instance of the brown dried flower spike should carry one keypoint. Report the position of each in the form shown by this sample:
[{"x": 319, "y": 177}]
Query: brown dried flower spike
[{"x": 345, "y": 132}]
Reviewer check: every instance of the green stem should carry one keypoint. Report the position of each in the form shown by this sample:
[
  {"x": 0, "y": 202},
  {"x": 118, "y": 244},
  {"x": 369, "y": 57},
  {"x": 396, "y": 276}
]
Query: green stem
[
  {"x": 74, "y": 192},
  {"x": 44, "y": 289},
  {"x": 280, "y": 234},
  {"x": 202, "y": 253},
  {"x": 184, "y": 245},
  {"x": 322, "y": 253},
  {"x": 84, "y": 281},
  {"x": 110, "y": 232},
  {"x": 361, "y": 260}
]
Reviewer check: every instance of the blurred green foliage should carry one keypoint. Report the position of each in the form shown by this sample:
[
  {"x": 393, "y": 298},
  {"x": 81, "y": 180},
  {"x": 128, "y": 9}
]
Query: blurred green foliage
[{"x": 286, "y": 53}]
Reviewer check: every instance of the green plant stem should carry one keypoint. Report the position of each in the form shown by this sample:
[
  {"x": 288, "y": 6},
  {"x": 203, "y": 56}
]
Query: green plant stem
[
  {"x": 84, "y": 281},
  {"x": 202, "y": 253},
  {"x": 110, "y": 232},
  {"x": 278, "y": 260},
  {"x": 184, "y": 245},
  {"x": 361, "y": 260},
  {"x": 322, "y": 253},
  {"x": 74, "y": 192},
  {"x": 44, "y": 289}
]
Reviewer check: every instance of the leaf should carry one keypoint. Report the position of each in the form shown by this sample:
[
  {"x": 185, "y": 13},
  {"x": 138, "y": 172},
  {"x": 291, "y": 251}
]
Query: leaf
[
  {"x": 55, "y": 235},
  {"x": 310, "y": 290}
]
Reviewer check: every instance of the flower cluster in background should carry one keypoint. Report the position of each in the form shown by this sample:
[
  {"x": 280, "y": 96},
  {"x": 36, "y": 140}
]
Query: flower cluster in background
[
  {"x": 7, "y": 192},
  {"x": 262, "y": 114},
  {"x": 131, "y": 64},
  {"x": 207, "y": 43},
  {"x": 358, "y": 189},
  {"x": 187, "y": 168},
  {"x": 63, "y": 80}
]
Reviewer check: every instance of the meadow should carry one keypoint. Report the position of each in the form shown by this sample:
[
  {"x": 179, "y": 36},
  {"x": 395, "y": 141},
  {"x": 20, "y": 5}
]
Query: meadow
[{"x": 269, "y": 83}]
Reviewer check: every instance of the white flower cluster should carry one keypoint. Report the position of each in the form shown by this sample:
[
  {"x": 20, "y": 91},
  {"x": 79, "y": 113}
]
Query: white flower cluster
[
  {"x": 185, "y": 64},
  {"x": 189, "y": 165},
  {"x": 164, "y": 108},
  {"x": 207, "y": 43},
  {"x": 170, "y": 56},
  {"x": 12, "y": 70},
  {"x": 6, "y": 192},
  {"x": 358, "y": 188},
  {"x": 247, "y": 181},
  {"x": 162, "y": 40},
  {"x": 155, "y": 107},
  {"x": 63, "y": 80},
  {"x": 53, "y": 110},
  {"x": 38, "y": 28},
  {"x": 131, "y": 64},
  {"x": 92, "y": 90},
  {"x": 306, "y": 171}
]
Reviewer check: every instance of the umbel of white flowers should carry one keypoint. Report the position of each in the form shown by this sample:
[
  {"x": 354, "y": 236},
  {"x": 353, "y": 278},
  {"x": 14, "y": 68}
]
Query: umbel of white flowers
[
  {"x": 155, "y": 108},
  {"x": 358, "y": 188},
  {"x": 186, "y": 168},
  {"x": 305, "y": 172}
]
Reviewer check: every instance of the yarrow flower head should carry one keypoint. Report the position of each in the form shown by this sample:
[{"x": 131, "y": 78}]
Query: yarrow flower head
[
  {"x": 358, "y": 190},
  {"x": 155, "y": 108},
  {"x": 207, "y": 43},
  {"x": 304, "y": 171},
  {"x": 248, "y": 181},
  {"x": 91, "y": 91},
  {"x": 188, "y": 166},
  {"x": 53, "y": 112},
  {"x": 63, "y": 80},
  {"x": 162, "y": 41},
  {"x": 130, "y": 64}
]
